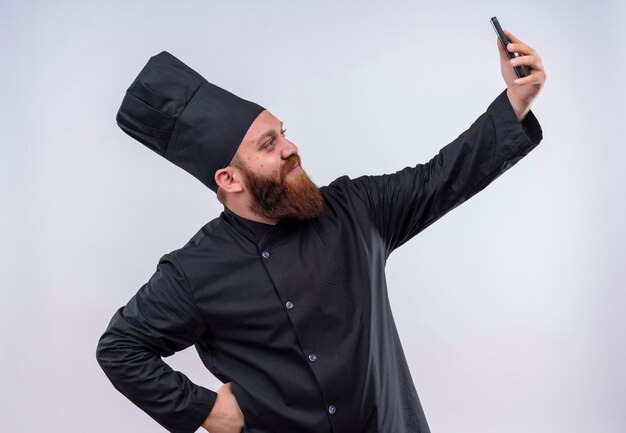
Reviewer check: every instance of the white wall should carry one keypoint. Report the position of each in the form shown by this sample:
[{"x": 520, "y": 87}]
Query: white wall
[{"x": 509, "y": 308}]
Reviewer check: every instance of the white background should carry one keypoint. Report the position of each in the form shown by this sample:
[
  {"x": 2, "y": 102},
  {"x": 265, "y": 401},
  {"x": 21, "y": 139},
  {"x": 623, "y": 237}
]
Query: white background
[{"x": 510, "y": 308}]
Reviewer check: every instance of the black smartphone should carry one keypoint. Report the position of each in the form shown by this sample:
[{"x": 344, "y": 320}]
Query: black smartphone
[{"x": 503, "y": 39}]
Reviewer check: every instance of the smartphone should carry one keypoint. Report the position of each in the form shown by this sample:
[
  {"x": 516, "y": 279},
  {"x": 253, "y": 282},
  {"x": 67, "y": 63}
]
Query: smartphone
[{"x": 503, "y": 39}]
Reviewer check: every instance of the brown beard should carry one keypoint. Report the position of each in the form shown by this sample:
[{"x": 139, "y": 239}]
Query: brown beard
[{"x": 297, "y": 198}]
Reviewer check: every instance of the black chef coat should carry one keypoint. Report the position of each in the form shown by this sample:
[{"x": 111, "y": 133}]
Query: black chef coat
[{"x": 297, "y": 316}]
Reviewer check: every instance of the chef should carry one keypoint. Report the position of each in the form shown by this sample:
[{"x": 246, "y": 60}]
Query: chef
[{"x": 284, "y": 294}]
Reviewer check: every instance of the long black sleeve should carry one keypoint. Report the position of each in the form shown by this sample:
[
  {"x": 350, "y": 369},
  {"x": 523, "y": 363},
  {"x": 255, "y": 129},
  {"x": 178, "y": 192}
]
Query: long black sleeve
[
  {"x": 404, "y": 203},
  {"x": 159, "y": 320}
]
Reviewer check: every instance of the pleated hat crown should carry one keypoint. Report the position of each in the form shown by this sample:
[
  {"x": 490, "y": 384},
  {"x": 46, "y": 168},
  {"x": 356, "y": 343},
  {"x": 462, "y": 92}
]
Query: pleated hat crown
[{"x": 174, "y": 111}]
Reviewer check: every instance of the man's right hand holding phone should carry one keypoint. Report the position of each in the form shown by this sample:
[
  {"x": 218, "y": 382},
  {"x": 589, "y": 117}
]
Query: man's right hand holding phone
[{"x": 521, "y": 91}]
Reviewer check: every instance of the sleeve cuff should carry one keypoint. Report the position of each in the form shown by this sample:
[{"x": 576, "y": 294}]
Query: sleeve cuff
[
  {"x": 532, "y": 127},
  {"x": 502, "y": 113},
  {"x": 201, "y": 410}
]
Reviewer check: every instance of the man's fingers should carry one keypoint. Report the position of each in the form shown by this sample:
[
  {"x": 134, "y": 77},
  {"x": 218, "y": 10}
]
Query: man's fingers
[
  {"x": 532, "y": 61},
  {"x": 517, "y": 46},
  {"x": 534, "y": 78},
  {"x": 512, "y": 38},
  {"x": 522, "y": 49}
]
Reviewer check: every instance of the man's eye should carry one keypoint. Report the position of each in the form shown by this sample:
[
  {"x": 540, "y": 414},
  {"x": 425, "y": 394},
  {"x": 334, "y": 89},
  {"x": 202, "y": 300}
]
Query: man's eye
[{"x": 282, "y": 132}]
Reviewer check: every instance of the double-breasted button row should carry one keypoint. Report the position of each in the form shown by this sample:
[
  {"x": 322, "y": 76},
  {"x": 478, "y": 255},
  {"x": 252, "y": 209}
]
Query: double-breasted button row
[{"x": 312, "y": 356}]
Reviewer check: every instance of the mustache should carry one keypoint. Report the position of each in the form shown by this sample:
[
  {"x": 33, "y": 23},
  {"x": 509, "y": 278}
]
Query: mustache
[{"x": 290, "y": 163}]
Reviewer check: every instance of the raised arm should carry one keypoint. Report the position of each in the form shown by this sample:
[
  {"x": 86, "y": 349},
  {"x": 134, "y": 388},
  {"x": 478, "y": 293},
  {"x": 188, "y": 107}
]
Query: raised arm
[{"x": 404, "y": 203}]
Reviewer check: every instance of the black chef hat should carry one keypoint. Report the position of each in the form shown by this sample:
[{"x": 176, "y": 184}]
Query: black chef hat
[{"x": 175, "y": 112}]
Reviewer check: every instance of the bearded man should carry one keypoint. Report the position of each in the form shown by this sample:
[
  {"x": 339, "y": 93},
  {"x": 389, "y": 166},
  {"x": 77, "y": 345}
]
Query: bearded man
[{"x": 284, "y": 294}]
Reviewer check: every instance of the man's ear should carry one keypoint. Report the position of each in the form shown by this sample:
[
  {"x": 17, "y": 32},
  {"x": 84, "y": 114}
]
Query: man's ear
[{"x": 227, "y": 179}]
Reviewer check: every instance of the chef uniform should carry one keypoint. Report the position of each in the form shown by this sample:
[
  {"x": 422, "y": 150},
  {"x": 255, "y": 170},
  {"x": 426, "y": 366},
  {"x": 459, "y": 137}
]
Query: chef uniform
[{"x": 296, "y": 315}]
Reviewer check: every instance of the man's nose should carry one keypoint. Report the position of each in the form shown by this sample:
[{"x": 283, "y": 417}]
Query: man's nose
[{"x": 288, "y": 149}]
